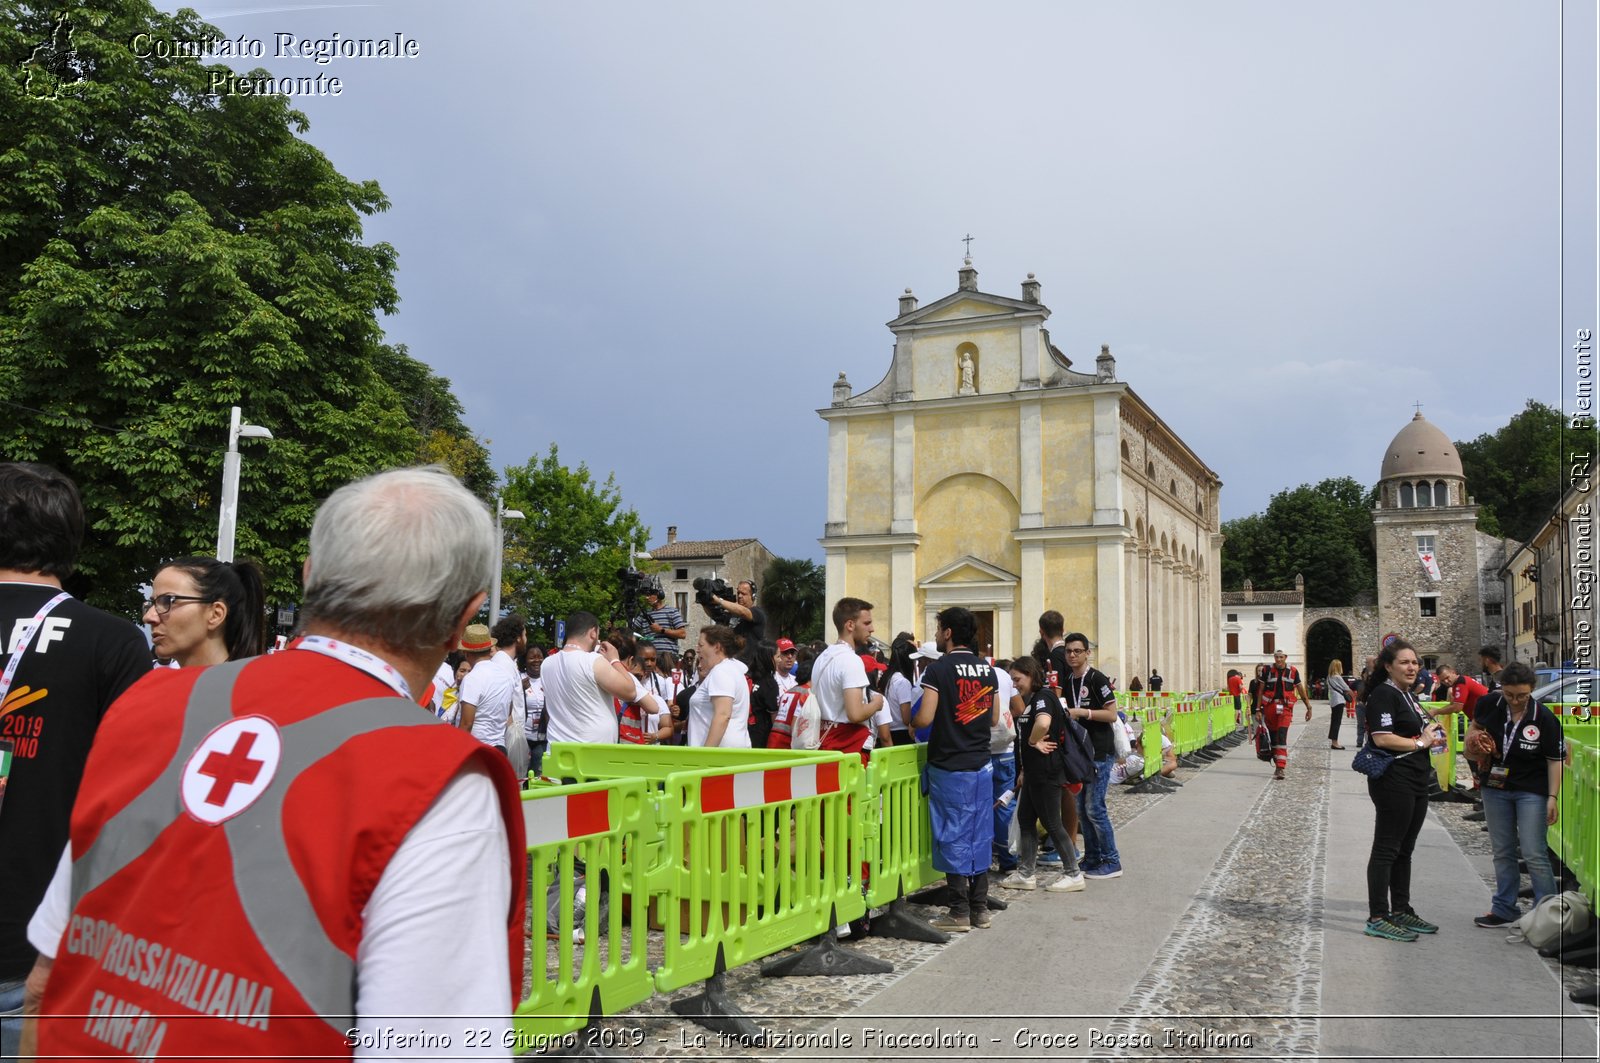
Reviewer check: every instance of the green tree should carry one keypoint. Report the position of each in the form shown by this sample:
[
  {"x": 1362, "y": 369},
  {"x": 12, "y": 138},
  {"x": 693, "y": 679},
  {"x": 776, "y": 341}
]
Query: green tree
[
  {"x": 1323, "y": 533},
  {"x": 1515, "y": 472},
  {"x": 565, "y": 555},
  {"x": 166, "y": 253},
  {"x": 792, "y": 591}
]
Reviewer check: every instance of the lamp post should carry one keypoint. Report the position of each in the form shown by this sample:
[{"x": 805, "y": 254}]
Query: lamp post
[
  {"x": 501, "y": 514},
  {"x": 228, "y": 518}
]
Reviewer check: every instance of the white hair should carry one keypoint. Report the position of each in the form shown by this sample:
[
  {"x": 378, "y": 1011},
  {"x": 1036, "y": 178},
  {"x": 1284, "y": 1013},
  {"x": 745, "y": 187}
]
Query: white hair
[{"x": 397, "y": 556}]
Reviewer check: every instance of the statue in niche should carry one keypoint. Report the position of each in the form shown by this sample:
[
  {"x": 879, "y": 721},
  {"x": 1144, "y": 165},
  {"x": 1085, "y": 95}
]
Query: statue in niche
[{"x": 968, "y": 373}]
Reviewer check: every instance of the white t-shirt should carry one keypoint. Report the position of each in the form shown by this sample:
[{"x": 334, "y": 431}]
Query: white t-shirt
[
  {"x": 575, "y": 708},
  {"x": 414, "y": 921},
  {"x": 785, "y": 681},
  {"x": 1001, "y": 737},
  {"x": 899, "y": 694},
  {"x": 443, "y": 680},
  {"x": 835, "y": 671},
  {"x": 533, "y": 702},
  {"x": 884, "y": 717},
  {"x": 726, "y": 680},
  {"x": 491, "y": 687}
]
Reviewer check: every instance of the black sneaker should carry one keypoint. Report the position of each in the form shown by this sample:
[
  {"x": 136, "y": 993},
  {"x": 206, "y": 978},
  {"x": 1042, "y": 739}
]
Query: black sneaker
[
  {"x": 1413, "y": 921},
  {"x": 1492, "y": 921}
]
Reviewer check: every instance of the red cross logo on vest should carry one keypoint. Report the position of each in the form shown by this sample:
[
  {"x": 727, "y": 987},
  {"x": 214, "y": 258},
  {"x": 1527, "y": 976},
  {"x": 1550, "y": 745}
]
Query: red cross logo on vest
[{"x": 230, "y": 768}]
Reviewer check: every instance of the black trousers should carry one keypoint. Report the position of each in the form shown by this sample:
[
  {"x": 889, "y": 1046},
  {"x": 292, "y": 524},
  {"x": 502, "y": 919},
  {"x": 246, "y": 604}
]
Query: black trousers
[
  {"x": 1401, "y": 807},
  {"x": 1333, "y": 724},
  {"x": 971, "y": 894}
]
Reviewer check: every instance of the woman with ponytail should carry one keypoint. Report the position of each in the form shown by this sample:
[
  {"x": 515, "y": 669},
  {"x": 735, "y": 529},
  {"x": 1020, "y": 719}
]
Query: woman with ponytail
[{"x": 203, "y": 611}]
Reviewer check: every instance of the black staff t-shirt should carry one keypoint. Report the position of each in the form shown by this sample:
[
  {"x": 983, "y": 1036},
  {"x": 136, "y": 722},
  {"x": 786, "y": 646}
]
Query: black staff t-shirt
[
  {"x": 959, "y": 737},
  {"x": 1534, "y": 740},
  {"x": 79, "y": 661},
  {"x": 1093, "y": 691},
  {"x": 1037, "y": 766}
]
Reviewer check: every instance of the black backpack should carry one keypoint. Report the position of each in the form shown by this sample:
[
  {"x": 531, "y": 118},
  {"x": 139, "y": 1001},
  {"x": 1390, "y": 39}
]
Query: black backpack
[
  {"x": 1076, "y": 752},
  {"x": 1263, "y": 742}
]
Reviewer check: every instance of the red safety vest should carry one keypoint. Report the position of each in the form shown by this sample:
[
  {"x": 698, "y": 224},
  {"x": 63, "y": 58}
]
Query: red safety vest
[
  {"x": 1279, "y": 686},
  {"x": 223, "y": 855}
]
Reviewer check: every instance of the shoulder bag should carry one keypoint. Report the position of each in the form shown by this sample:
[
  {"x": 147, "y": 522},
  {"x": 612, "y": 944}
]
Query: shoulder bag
[{"x": 1371, "y": 761}]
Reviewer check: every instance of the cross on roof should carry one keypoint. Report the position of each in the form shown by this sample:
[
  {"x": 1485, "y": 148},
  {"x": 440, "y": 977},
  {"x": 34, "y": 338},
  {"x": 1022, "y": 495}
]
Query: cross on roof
[
  {"x": 1417, "y": 406},
  {"x": 967, "y": 239}
]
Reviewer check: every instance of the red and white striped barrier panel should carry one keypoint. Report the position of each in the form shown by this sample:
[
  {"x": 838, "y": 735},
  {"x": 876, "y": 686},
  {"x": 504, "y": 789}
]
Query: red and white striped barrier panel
[
  {"x": 558, "y": 819},
  {"x": 747, "y": 789}
]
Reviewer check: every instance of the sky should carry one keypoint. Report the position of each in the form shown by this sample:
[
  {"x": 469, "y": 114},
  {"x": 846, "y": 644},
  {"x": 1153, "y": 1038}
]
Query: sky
[{"x": 653, "y": 234}]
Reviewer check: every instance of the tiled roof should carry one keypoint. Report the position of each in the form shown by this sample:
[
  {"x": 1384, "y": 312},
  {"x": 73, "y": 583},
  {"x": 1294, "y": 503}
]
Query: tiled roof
[
  {"x": 1263, "y": 598},
  {"x": 691, "y": 549}
]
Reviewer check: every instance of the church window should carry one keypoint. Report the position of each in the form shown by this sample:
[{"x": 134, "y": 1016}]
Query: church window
[
  {"x": 1407, "y": 499},
  {"x": 1424, "y": 493},
  {"x": 1428, "y": 604},
  {"x": 1441, "y": 493},
  {"x": 1125, "y": 454},
  {"x": 1266, "y": 618},
  {"x": 1491, "y": 609},
  {"x": 1172, "y": 488},
  {"x": 1233, "y": 643},
  {"x": 1269, "y": 643},
  {"x": 1149, "y": 468}
]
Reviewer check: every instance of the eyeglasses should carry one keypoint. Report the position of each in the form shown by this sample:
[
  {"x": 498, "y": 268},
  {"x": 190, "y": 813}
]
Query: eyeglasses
[
  {"x": 1076, "y": 651},
  {"x": 163, "y": 603}
]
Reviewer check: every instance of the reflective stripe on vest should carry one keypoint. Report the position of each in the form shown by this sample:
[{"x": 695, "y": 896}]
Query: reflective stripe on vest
[{"x": 279, "y": 911}]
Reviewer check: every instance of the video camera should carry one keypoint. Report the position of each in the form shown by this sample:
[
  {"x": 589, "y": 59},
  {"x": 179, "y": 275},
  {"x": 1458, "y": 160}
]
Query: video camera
[
  {"x": 707, "y": 591},
  {"x": 634, "y": 585}
]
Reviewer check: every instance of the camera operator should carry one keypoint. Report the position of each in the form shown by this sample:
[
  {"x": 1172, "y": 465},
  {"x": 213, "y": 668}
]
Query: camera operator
[
  {"x": 744, "y": 616},
  {"x": 661, "y": 622}
]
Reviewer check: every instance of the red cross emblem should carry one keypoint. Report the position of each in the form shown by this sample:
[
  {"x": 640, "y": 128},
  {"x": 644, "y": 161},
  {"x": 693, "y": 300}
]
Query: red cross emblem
[{"x": 230, "y": 768}]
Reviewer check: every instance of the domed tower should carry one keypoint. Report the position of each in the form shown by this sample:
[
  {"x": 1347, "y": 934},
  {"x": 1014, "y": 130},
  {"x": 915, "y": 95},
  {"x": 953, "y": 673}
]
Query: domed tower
[{"x": 1433, "y": 588}]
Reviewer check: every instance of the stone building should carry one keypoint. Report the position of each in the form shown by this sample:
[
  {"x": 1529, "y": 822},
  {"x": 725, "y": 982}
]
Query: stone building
[
  {"x": 985, "y": 470},
  {"x": 1439, "y": 577},
  {"x": 1550, "y": 585},
  {"x": 688, "y": 560}
]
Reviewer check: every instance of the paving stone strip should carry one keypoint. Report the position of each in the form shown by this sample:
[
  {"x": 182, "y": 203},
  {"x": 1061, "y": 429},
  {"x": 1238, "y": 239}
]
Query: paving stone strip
[{"x": 1240, "y": 973}]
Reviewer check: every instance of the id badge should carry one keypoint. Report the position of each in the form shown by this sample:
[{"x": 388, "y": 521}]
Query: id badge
[{"x": 1497, "y": 777}]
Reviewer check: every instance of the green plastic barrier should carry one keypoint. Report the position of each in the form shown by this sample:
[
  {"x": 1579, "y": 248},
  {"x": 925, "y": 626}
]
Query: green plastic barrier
[
  {"x": 1576, "y": 836},
  {"x": 757, "y": 860},
  {"x": 564, "y": 760},
  {"x": 897, "y": 830},
  {"x": 598, "y": 823},
  {"x": 1444, "y": 764}
]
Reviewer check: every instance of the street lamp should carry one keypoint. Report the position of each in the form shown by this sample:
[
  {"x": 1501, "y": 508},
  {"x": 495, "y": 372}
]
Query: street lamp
[
  {"x": 229, "y": 517},
  {"x": 501, "y": 513}
]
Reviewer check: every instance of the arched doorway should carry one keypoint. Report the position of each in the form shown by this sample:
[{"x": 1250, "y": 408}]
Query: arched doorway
[{"x": 1327, "y": 640}]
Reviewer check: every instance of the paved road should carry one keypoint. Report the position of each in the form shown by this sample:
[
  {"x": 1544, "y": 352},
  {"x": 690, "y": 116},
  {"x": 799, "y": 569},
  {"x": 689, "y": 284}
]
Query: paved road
[{"x": 1236, "y": 933}]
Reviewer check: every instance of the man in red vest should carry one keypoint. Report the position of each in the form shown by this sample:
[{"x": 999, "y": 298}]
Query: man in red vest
[
  {"x": 1279, "y": 685},
  {"x": 288, "y": 856}
]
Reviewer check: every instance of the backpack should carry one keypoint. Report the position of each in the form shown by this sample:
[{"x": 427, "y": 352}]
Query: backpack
[
  {"x": 1263, "y": 742},
  {"x": 1076, "y": 753}
]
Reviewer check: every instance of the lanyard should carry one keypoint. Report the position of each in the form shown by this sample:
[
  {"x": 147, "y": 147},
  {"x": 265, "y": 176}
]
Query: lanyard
[
  {"x": 1075, "y": 685},
  {"x": 27, "y": 640},
  {"x": 357, "y": 658},
  {"x": 1510, "y": 733}
]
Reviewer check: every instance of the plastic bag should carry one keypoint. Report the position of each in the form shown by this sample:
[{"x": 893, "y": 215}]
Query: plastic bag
[
  {"x": 517, "y": 743},
  {"x": 1557, "y": 916},
  {"x": 1119, "y": 734},
  {"x": 1014, "y": 836},
  {"x": 806, "y": 725}
]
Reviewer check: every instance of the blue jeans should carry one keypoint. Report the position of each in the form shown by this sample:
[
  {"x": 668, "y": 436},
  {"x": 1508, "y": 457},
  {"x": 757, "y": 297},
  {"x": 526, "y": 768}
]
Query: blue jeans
[
  {"x": 1516, "y": 820},
  {"x": 1005, "y": 778},
  {"x": 1099, "y": 843},
  {"x": 10, "y": 1019}
]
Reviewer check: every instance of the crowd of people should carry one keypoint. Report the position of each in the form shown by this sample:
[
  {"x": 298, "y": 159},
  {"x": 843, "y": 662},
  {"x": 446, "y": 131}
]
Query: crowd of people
[{"x": 379, "y": 855}]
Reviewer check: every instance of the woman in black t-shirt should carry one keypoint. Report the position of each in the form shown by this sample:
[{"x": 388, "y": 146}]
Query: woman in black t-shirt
[
  {"x": 1396, "y": 724},
  {"x": 1039, "y": 733},
  {"x": 1521, "y": 788}
]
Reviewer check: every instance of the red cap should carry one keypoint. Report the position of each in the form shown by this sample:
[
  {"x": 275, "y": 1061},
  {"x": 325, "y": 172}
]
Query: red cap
[
  {"x": 785, "y": 645},
  {"x": 872, "y": 664}
]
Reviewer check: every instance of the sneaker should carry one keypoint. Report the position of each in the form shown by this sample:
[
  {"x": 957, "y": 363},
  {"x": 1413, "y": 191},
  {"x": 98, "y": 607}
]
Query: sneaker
[
  {"x": 1492, "y": 921},
  {"x": 1112, "y": 870},
  {"x": 982, "y": 920},
  {"x": 1413, "y": 921},
  {"x": 1018, "y": 881},
  {"x": 1066, "y": 884},
  {"x": 1051, "y": 857},
  {"x": 1278, "y": 774},
  {"x": 953, "y": 924},
  {"x": 1382, "y": 928}
]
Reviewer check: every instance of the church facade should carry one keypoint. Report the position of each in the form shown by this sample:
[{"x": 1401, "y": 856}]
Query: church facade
[{"x": 984, "y": 470}]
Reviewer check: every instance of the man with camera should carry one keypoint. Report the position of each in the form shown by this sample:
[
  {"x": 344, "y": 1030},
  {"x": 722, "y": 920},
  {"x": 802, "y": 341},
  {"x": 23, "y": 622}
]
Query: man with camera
[
  {"x": 661, "y": 622},
  {"x": 739, "y": 612}
]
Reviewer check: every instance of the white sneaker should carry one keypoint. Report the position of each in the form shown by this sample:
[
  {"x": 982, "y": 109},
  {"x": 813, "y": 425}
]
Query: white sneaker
[
  {"x": 1018, "y": 881},
  {"x": 1066, "y": 884}
]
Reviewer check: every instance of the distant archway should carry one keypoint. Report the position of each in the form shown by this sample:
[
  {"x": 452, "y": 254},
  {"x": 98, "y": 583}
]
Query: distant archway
[{"x": 1328, "y": 640}]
